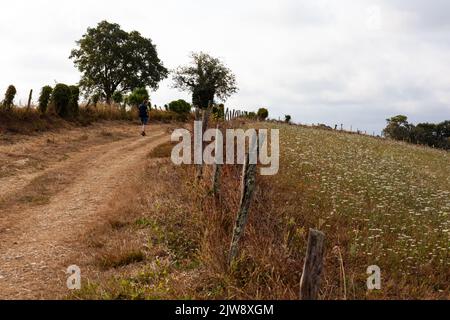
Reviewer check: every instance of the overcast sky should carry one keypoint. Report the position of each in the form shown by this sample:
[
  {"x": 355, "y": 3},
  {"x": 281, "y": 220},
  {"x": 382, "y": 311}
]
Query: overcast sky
[{"x": 322, "y": 61}]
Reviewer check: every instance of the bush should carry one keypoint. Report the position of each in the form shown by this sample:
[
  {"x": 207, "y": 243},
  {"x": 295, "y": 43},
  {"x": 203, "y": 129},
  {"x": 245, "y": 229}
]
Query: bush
[
  {"x": 117, "y": 97},
  {"x": 61, "y": 97},
  {"x": 138, "y": 96},
  {"x": 179, "y": 106},
  {"x": 252, "y": 115},
  {"x": 74, "y": 108},
  {"x": 218, "y": 112},
  {"x": 9, "y": 97},
  {"x": 287, "y": 118},
  {"x": 44, "y": 98},
  {"x": 96, "y": 98},
  {"x": 263, "y": 114},
  {"x": 167, "y": 116}
]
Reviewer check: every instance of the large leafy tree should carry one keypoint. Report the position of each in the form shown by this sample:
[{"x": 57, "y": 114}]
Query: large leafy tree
[
  {"x": 112, "y": 60},
  {"x": 207, "y": 78},
  {"x": 398, "y": 128}
]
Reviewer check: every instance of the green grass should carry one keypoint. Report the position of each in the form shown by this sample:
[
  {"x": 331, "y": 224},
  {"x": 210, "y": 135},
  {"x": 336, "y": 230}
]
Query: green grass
[{"x": 381, "y": 202}]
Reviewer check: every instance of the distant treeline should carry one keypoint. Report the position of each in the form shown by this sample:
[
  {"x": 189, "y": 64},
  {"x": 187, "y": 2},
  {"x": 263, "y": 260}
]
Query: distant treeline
[{"x": 433, "y": 135}]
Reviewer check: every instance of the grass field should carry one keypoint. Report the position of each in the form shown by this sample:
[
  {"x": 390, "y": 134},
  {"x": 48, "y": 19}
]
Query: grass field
[{"x": 379, "y": 202}]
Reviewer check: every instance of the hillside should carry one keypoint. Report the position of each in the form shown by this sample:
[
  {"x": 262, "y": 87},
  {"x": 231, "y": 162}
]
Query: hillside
[{"x": 378, "y": 202}]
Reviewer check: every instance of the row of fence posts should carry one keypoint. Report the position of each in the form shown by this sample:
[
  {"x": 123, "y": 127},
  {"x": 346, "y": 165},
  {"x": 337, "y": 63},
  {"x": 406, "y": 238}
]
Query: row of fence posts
[
  {"x": 234, "y": 114},
  {"x": 313, "y": 264}
]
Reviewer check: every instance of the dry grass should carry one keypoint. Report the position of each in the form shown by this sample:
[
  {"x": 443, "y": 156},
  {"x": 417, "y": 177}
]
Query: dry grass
[
  {"x": 162, "y": 151},
  {"x": 378, "y": 202},
  {"x": 120, "y": 258},
  {"x": 20, "y": 120}
]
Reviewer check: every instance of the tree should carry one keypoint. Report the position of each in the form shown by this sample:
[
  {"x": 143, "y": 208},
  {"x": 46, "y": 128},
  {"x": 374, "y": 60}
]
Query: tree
[
  {"x": 287, "y": 118},
  {"x": 398, "y": 128},
  {"x": 138, "y": 96},
  {"x": 111, "y": 60},
  {"x": 9, "y": 97},
  {"x": 263, "y": 114},
  {"x": 206, "y": 78},
  {"x": 179, "y": 106},
  {"x": 44, "y": 98}
]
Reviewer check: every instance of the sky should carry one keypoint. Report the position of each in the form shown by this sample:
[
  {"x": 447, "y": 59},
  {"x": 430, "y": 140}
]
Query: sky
[{"x": 350, "y": 62}]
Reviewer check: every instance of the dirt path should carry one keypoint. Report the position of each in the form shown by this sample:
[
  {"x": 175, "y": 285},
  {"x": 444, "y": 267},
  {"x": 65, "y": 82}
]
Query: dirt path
[{"x": 45, "y": 212}]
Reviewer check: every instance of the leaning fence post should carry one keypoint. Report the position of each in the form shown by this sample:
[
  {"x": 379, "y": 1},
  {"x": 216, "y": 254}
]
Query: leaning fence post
[
  {"x": 29, "y": 99},
  {"x": 312, "y": 270},
  {"x": 248, "y": 184}
]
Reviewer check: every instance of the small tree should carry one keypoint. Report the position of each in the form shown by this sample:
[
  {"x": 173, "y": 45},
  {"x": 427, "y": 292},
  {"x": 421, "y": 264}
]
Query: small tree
[
  {"x": 9, "y": 97},
  {"x": 398, "y": 128},
  {"x": 263, "y": 114},
  {"x": 206, "y": 78},
  {"x": 287, "y": 118},
  {"x": 179, "y": 106},
  {"x": 138, "y": 96},
  {"x": 44, "y": 98},
  {"x": 61, "y": 97}
]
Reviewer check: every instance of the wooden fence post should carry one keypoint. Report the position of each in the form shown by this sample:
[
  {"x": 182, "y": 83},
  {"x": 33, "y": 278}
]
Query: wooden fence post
[
  {"x": 312, "y": 270},
  {"x": 205, "y": 123},
  {"x": 29, "y": 99},
  {"x": 248, "y": 184},
  {"x": 216, "y": 171}
]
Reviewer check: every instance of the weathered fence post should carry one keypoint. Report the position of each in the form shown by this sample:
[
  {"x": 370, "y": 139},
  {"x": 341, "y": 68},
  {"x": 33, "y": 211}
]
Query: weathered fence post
[
  {"x": 29, "y": 99},
  {"x": 248, "y": 184},
  {"x": 205, "y": 123},
  {"x": 216, "y": 170},
  {"x": 312, "y": 270}
]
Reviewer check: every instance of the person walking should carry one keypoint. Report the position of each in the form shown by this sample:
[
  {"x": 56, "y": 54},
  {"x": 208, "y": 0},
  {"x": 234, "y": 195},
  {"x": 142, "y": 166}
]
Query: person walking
[{"x": 144, "y": 116}]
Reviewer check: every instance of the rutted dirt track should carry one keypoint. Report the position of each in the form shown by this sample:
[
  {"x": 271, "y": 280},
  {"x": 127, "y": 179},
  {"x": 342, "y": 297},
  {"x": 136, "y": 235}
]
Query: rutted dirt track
[{"x": 45, "y": 208}]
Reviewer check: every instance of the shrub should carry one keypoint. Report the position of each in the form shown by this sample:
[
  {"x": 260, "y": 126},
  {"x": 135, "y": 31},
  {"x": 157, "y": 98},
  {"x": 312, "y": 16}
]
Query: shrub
[
  {"x": 263, "y": 114},
  {"x": 117, "y": 97},
  {"x": 218, "y": 112},
  {"x": 60, "y": 99},
  {"x": 74, "y": 100},
  {"x": 44, "y": 98},
  {"x": 138, "y": 96},
  {"x": 96, "y": 98},
  {"x": 179, "y": 106},
  {"x": 9, "y": 97},
  {"x": 287, "y": 118}
]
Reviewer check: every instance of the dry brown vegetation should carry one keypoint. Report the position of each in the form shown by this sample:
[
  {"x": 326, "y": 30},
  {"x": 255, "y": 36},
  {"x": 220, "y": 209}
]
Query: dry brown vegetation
[
  {"x": 20, "y": 120},
  {"x": 349, "y": 186}
]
